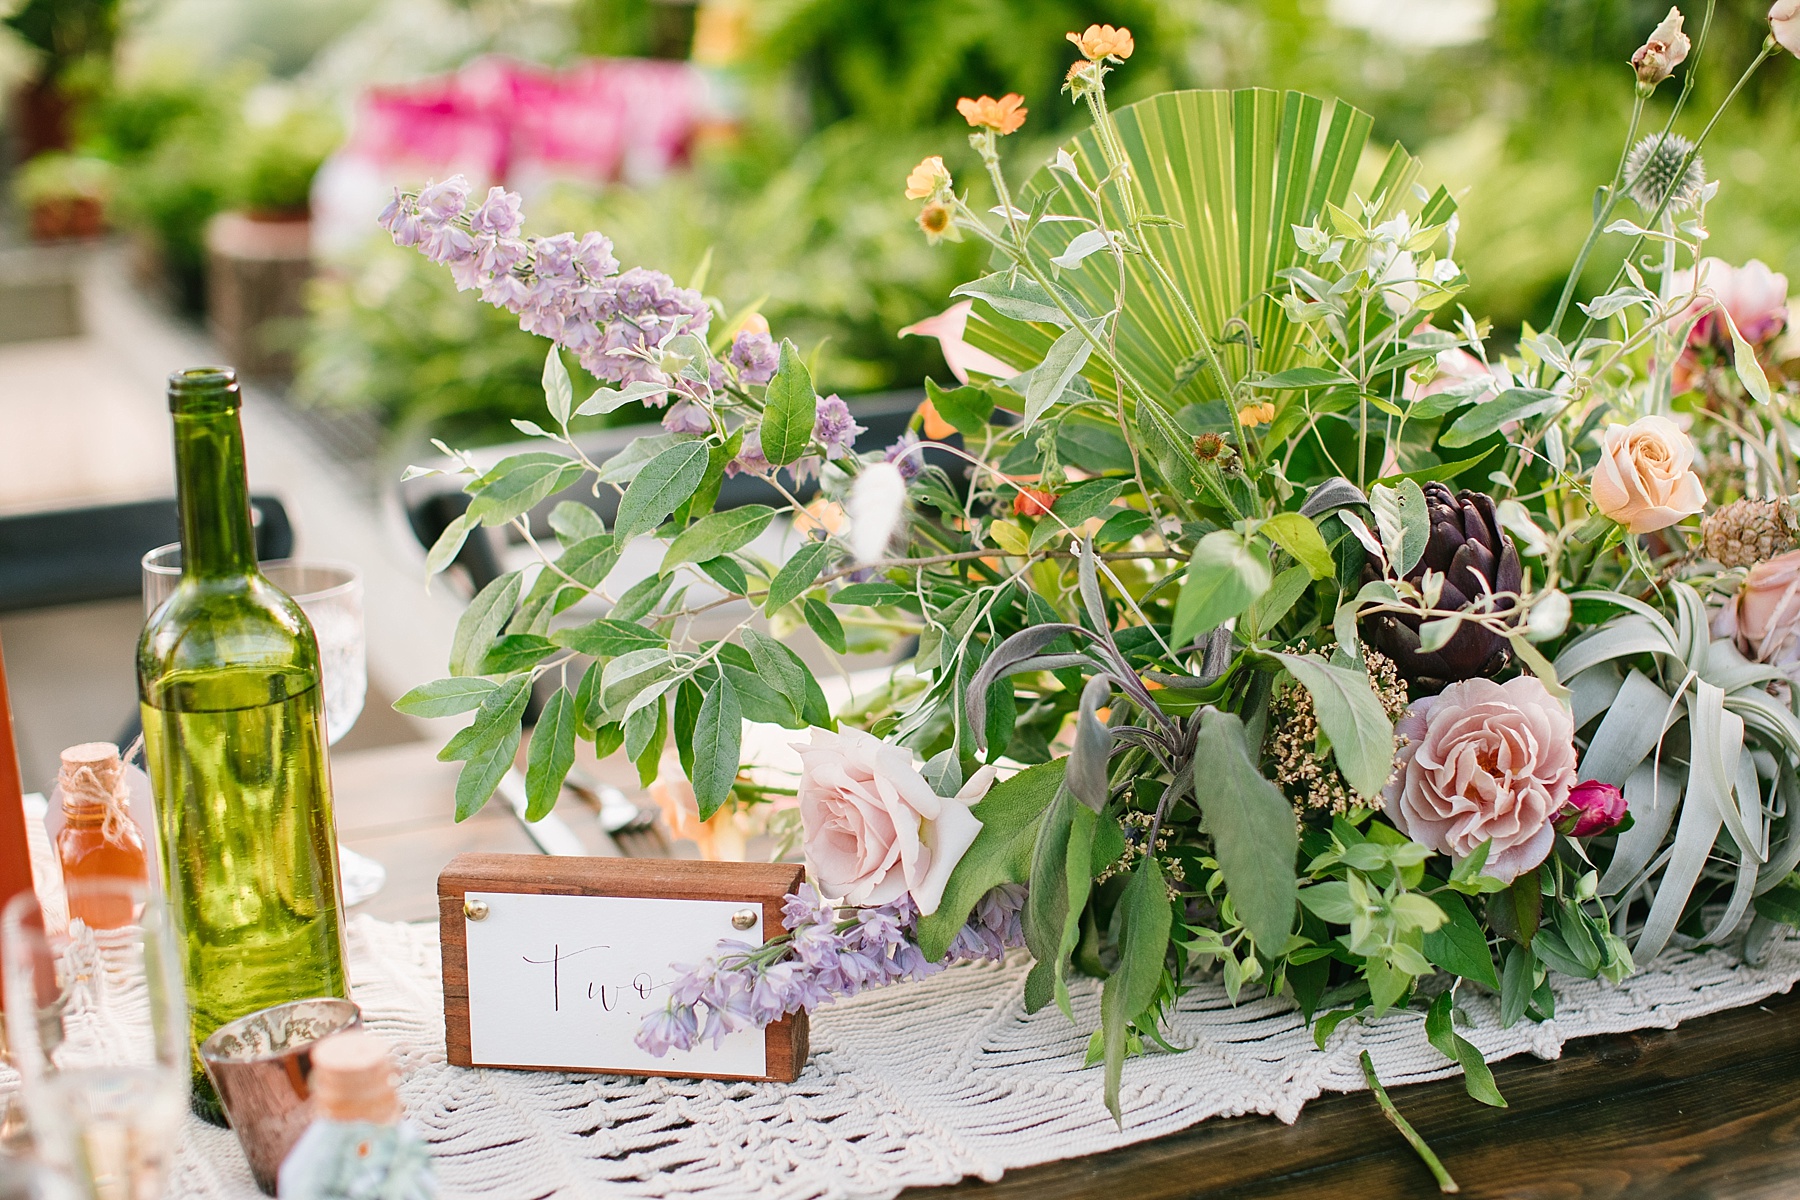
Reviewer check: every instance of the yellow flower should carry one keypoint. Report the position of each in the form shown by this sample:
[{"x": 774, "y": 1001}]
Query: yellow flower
[
  {"x": 1252, "y": 415},
  {"x": 1002, "y": 116},
  {"x": 929, "y": 178},
  {"x": 934, "y": 219},
  {"x": 1103, "y": 41}
]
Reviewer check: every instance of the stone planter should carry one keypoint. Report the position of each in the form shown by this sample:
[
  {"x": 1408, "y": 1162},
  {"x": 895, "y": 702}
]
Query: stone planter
[{"x": 256, "y": 277}]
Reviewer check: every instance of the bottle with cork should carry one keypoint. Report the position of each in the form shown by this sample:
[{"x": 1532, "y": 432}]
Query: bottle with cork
[
  {"x": 359, "y": 1146},
  {"x": 99, "y": 839}
]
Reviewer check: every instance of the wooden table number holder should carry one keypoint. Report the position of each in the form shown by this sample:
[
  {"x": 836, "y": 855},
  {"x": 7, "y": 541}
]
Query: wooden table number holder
[{"x": 534, "y": 984}]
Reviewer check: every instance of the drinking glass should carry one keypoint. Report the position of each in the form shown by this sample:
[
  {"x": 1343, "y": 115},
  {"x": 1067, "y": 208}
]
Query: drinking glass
[
  {"x": 96, "y": 1021},
  {"x": 331, "y": 596}
]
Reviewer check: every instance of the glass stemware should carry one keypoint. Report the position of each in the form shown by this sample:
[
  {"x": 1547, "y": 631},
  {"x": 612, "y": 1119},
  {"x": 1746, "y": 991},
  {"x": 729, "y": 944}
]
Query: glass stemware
[
  {"x": 96, "y": 1023},
  {"x": 331, "y": 596}
]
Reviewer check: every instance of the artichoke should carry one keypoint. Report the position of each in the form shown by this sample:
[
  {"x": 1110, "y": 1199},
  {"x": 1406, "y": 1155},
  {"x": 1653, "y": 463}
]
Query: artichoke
[{"x": 1475, "y": 556}]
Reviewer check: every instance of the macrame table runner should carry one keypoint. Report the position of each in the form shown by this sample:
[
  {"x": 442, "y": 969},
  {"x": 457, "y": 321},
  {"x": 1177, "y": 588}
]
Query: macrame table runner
[{"x": 921, "y": 1083}]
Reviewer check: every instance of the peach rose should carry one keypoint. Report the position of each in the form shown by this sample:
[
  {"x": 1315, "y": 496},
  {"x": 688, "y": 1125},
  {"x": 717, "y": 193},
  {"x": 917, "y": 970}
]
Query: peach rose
[
  {"x": 1484, "y": 760},
  {"x": 1764, "y": 617},
  {"x": 873, "y": 828},
  {"x": 1756, "y": 298},
  {"x": 1645, "y": 478}
]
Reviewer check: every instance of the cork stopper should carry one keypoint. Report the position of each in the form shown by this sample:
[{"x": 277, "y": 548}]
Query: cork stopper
[
  {"x": 353, "y": 1079},
  {"x": 92, "y": 777}
]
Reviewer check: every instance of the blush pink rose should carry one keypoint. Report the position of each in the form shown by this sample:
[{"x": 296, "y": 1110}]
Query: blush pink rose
[
  {"x": 1756, "y": 298},
  {"x": 873, "y": 828},
  {"x": 1645, "y": 478},
  {"x": 1784, "y": 23},
  {"x": 1484, "y": 761},
  {"x": 1764, "y": 617}
]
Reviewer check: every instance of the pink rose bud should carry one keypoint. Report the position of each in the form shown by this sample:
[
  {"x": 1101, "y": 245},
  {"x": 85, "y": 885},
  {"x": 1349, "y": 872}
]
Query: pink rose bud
[{"x": 1593, "y": 807}]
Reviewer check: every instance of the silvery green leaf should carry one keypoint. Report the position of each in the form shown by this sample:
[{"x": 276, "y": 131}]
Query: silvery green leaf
[
  {"x": 445, "y": 697},
  {"x": 1549, "y": 616},
  {"x": 1351, "y": 716},
  {"x": 1621, "y": 638},
  {"x": 449, "y": 543},
  {"x": 605, "y": 400},
  {"x": 1631, "y": 604},
  {"x": 1435, "y": 635},
  {"x": 624, "y": 466},
  {"x": 1016, "y": 297},
  {"x": 1333, "y": 494},
  {"x": 791, "y": 410},
  {"x": 1223, "y": 578},
  {"x": 518, "y": 483},
  {"x": 1343, "y": 622},
  {"x": 482, "y": 622},
  {"x": 943, "y": 772},
  {"x": 1311, "y": 241},
  {"x": 625, "y": 676},
  {"x": 1743, "y": 360},
  {"x": 1639, "y": 715},
  {"x": 559, "y": 393},
  {"x": 1087, "y": 242},
  {"x": 1354, "y": 524},
  {"x": 718, "y": 745},
  {"x": 418, "y": 472},
  {"x": 1253, "y": 830},
  {"x": 1064, "y": 359},
  {"x": 1592, "y": 692},
  {"x": 1431, "y": 587},
  {"x": 1727, "y": 667},
  {"x": 1694, "y": 836},
  {"x": 1516, "y": 520},
  {"x": 531, "y": 428},
  {"x": 1711, "y": 720},
  {"x": 661, "y": 486},
  {"x": 1092, "y": 751}
]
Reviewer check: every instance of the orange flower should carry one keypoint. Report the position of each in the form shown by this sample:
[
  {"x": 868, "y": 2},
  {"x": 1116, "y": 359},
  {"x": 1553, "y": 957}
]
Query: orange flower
[
  {"x": 936, "y": 428},
  {"x": 1002, "y": 116},
  {"x": 1033, "y": 502},
  {"x": 934, "y": 219},
  {"x": 1103, "y": 41},
  {"x": 927, "y": 179},
  {"x": 755, "y": 323},
  {"x": 1257, "y": 414}
]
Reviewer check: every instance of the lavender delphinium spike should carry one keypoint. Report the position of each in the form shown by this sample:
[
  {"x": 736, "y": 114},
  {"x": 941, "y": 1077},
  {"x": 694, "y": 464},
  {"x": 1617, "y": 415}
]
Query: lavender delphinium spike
[{"x": 824, "y": 955}]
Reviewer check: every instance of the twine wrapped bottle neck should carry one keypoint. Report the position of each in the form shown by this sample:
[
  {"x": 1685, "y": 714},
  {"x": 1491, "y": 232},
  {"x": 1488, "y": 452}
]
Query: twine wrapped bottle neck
[{"x": 92, "y": 779}]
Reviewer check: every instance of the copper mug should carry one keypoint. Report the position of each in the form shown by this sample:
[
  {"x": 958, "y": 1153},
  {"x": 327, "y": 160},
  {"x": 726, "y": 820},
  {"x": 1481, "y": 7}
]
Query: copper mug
[{"x": 261, "y": 1065}]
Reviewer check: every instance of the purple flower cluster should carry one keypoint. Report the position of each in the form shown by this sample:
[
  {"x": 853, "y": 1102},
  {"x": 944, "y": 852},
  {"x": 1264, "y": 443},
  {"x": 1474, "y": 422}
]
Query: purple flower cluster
[
  {"x": 834, "y": 428},
  {"x": 907, "y": 454},
  {"x": 826, "y": 953},
  {"x": 755, "y": 356},
  {"x": 561, "y": 288}
]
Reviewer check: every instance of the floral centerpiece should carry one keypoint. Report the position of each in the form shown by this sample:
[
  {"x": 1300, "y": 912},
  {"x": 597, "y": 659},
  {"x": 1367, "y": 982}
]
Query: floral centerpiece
[{"x": 1266, "y": 618}]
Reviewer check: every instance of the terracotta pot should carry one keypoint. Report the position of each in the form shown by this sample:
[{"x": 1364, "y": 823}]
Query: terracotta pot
[{"x": 61, "y": 217}]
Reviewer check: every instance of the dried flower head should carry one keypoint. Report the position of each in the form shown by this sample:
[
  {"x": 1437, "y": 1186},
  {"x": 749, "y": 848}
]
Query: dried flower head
[
  {"x": 1103, "y": 41},
  {"x": 1746, "y": 532},
  {"x": 1002, "y": 116},
  {"x": 1658, "y": 166},
  {"x": 929, "y": 180},
  {"x": 1311, "y": 780},
  {"x": 1208, "y": 447},
  {"x": 1664, "y": 50}
]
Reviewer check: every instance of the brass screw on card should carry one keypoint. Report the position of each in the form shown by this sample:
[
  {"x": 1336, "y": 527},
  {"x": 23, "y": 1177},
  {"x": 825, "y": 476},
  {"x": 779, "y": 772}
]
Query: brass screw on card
[
  {"x": 475, "y": 910},
  {"x": 743, "y": 918}
]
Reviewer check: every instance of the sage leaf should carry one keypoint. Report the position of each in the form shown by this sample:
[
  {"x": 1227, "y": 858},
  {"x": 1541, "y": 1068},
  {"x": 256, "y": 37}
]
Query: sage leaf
[
  {"x": 1010, "y": 815},
  {"x": 1514, "y": 404},
  {"x": 483, "y": 773},
  {"x": 551, "y": 754},
  {"x": 1351, "y": 716},
  {"x": 1066, "y": 356},
  {"x": 796, "y": 575},
  {"x": 449, "y": 543},
  {"x": 559, "y": 393},
  {"x": 718, "y": 738},
  {"x": 445, "y": 697},
  {"x": 608, "y": 638},
  {"x": 664, "y": 483},
  {"x": 500, "y": 712},
  {"x": 1013, "y": 295},
  {"x": 718, "y": 534},
  {"x": 1300, "y": 538},
  {"x": 1145, "y": 919},
  {"x": 1252, "y": 826},
  {"x": 518, "y": 483},
  {"x": 482, "y": 622},
  {"x": 791, "y": 408}
]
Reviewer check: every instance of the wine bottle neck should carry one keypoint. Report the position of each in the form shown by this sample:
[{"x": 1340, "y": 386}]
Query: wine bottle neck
[{"x": 217, "y": 538}]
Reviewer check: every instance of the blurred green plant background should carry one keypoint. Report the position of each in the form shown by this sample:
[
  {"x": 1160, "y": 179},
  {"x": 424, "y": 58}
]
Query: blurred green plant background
[{"x": 1518, "y": 106}]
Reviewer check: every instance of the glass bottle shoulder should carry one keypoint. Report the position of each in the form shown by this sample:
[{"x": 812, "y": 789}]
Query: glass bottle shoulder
[{"x": 210, "y": 630}]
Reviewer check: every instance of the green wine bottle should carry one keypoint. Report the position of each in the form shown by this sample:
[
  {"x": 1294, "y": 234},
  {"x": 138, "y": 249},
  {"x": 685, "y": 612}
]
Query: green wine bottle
[{"x": 234, "y": 734}]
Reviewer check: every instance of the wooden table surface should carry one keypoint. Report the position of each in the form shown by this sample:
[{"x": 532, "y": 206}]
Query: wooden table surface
[{"x": 1710, "y": 1111}]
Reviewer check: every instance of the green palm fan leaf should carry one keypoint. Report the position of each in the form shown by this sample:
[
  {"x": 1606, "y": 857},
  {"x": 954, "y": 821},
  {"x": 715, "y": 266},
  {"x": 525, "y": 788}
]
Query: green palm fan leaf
[{"x": 1232, "y": 172}]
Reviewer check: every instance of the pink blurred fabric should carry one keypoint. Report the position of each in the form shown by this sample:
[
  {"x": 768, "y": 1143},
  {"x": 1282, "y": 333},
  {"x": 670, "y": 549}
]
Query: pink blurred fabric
[{"x": 499, "y": 121}]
